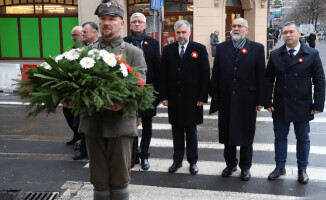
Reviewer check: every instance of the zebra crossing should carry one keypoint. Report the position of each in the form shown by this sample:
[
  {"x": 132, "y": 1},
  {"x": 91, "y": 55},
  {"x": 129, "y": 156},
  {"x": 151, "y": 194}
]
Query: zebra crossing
[{"x": 158, "y": 184}]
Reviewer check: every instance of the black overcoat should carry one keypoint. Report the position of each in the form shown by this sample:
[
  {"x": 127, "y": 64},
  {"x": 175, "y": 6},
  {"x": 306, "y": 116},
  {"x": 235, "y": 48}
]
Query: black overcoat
[
  {"x": 184, "y": 82},
  {"x": 238, "y": 88},
  {"x": 289, "y": 84},
  {"x": 151, "y": 49}
]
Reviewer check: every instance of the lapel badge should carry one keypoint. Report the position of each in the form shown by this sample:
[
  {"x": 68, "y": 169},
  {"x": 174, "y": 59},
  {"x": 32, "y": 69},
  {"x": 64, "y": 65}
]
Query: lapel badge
[
  {"x": 300, "y": 60},
  {"x": 145, "y": 43},
  {"x": 108, "y": 4},
  {"x": 244, "y": 50},
  {"x": 194, "y": 54}
]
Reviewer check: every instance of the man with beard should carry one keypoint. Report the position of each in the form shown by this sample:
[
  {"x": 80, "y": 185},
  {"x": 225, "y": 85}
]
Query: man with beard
[
  {"x": 108, "y": 135},
  {"x": 238, "y": 93},
  {"x": 151, "y": 52},
  {"x": 184, "y": 89}
]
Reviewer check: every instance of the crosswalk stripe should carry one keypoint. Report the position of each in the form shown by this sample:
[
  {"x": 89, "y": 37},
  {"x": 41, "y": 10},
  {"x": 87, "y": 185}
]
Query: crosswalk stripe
[
  {"x": 268, "y": 147},
  {"x": 259, "y": 119},
  {"x": 216, "y": 167},
  {"x": 163, "y": 193},
  {"x": 207, "y": 106}
]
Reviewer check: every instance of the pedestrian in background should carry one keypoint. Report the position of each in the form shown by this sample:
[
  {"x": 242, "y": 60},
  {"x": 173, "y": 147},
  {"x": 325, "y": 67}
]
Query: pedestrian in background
[
  {"x": 108, "y": 135},
  {"x": 214, "y": 41},
  {"x": 184, "y": 89},
  {"x": 237, "y": 94},
  {"x": 151, "y": 52},
  {"x": 73, "y": 122},
  {"x": 291, "y": 71},
  {"x": 312, "y": 39}
]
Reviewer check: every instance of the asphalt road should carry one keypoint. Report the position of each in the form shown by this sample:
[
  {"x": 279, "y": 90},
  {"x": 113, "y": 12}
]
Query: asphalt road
[{"x": 34, "y": 158}]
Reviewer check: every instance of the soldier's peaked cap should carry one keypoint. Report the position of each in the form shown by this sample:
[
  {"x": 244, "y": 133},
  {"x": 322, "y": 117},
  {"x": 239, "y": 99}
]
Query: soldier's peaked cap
[{"x": 110, "y": 7}]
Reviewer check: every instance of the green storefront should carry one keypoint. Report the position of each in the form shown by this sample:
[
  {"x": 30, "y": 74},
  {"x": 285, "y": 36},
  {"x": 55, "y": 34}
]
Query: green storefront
[{"x": 36, "y": 29}]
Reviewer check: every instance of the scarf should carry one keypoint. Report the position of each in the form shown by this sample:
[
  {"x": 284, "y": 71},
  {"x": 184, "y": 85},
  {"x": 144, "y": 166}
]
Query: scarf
[{"x": 138, "y": 39}]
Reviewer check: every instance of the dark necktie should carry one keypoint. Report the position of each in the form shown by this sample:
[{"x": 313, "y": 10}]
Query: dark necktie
[
  {"x": 291, "y": 51},
  {"x": 182, "y": 52}
]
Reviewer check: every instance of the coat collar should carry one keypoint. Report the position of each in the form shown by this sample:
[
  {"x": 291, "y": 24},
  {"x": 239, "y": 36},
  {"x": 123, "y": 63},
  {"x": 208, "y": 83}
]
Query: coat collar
[
  {"x": 304, "y": 50},
  {"x": 230, "y": 50}
]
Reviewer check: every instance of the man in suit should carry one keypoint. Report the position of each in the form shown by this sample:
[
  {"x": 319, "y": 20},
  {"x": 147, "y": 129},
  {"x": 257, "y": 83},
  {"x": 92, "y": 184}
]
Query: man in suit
[
  {"x": 238, "y": 93},
  {"x": 184, "y": 89},
  {"x": 151, "y": 51},
  {"x": 73, "y": 122},
  {"x": 90, "y": 35},
  {"x": 108, "y": 135},
  {"x": 291, "y": 71}
]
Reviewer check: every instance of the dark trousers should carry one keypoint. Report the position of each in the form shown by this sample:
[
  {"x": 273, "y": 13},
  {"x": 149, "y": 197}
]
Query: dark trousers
[
  {"x": 178, "y": 134},
  {"x": 281, "y": 131},
  {"x": 145, "y": 138},
  {"x": 230, "y": 156},
  {"x": 73, "y": 122}
]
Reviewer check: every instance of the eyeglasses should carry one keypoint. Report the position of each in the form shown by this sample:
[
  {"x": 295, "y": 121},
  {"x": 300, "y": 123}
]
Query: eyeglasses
[
  {"x": 238, "y": 25},
  {"x": 74, "y": 35},
  {"x": 137, "y": 21}
]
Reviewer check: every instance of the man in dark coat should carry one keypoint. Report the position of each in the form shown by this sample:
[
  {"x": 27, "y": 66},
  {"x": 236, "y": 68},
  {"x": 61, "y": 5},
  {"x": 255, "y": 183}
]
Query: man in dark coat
[
  {"x": 185, "y": 80},
  {"x": 151, "y": 52},
  {"x": 291, "y": 71},
  {"x": 238, "y": 93}
]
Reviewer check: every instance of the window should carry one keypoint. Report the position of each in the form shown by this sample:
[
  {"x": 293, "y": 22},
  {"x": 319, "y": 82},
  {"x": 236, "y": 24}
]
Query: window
[{"x": 36, "y": 7}]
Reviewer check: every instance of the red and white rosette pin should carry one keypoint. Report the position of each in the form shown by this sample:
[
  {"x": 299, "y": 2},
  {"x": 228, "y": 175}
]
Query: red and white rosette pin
[
  {"x": 145, "y": 43},
  {"x": 244, "y": 50},
  {"x": 300, "y": 60},
  {"x": 194, "y": 54}
]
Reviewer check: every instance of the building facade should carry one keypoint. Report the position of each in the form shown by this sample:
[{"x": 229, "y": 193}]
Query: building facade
[{"x": 35, "y": 29}]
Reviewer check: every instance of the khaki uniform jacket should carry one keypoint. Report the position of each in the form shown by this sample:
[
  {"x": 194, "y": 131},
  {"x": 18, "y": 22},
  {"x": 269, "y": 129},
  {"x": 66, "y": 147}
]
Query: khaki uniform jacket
[{"x": 111, "y": 123}]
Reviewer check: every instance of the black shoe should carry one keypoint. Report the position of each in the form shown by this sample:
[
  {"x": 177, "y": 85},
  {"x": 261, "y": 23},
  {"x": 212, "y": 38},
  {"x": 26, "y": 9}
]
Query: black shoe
[
  {"x": 245, "y": 175},
  {"x": 79, "y": 156},
  {"x": 77, "y": 147},
  {"x": 228, "y": 171},
  {"x": 74, "y": 139},
  {"x": 303, "y": 177},
  {"x": 144, "y": 164},
  {"x": 193, "y": 169},
  {"x": 174, "y": 167},
  {"x": 137, "y": 160},
  {"x": 276, "y": 173}
]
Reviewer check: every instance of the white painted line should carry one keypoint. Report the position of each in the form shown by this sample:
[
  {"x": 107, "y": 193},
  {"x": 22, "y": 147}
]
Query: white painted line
[
  {"x": 269, "y": 147},
  {"x": 84, "y": 190},
  {"x": 216, "y": 167}
]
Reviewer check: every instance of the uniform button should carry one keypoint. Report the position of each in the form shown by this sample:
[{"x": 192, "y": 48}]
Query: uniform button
[
  {"x": 285, "y": 87},
  {"x": 178, "y": 82},
  {"x": 179, "y": 69},
  {"x": 233, "y": 92},
  {"x": 295, "y": 98},
  {"x": 235, "y": 68},
  {"x": 234, "y": 79},
  {"x": 295, "y": 74},
  {"x": 179, "y": 94},
  {"x": 296, "y": 86}
]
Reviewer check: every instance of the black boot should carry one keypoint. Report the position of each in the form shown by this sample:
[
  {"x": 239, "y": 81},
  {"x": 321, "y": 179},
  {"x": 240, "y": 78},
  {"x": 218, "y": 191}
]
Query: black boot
[{"x": 75, "y": 139}]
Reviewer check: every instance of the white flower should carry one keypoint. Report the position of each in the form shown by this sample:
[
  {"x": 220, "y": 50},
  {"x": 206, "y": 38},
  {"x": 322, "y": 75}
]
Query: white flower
[
  {"x": 103, "y": 52},
  {"x": 46, "y": 66},
  {"x": 109, "y": 59},
  {"x": 59, "y": 57},
  {"x": 87, "y": 62},
  {"x": 79, "y": 49},
  {"x": 94, "y": 53},
  {"x": 73, "y": 54},
  {"x": 123, "y": 70}
]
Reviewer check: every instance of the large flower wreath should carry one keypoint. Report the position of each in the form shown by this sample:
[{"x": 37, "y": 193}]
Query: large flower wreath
[{"x": 92, "y": 79}]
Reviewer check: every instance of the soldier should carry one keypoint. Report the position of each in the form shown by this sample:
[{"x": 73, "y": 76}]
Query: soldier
[{"x": 109, "y": 137}]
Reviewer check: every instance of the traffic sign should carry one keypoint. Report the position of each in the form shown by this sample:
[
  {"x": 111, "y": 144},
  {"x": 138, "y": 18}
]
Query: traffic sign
[{"x": 157, "y": 4}]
